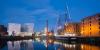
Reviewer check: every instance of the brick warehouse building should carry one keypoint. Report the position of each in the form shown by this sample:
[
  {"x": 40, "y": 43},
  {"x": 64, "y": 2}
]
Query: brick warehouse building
[
  {"x": 90, "y": 26},
  {"x": 72, "y": 28}
]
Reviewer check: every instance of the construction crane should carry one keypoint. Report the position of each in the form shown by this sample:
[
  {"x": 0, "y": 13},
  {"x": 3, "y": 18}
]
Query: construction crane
[
  {"x": 67, "y": 14},
  {"x": 63, "y": 20}
]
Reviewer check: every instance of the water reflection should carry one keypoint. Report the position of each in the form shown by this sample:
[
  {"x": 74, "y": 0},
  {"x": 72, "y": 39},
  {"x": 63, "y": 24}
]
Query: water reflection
[
  {"x": 2, "y": 44},
  {"x": 14, "y": 45},
  {"x": 48, "y": 44},
  {"x": 23, "y": 45},
  {"x": 89, "y": 47}
]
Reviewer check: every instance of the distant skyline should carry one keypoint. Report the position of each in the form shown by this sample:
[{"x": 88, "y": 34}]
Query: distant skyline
[{"x": 38, "y": 11}]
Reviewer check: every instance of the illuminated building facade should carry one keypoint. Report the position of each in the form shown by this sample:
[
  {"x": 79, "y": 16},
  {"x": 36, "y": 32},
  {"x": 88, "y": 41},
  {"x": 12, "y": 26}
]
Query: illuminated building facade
[
  {"x": 90, "y": 26},
  {"x": 29, "y": 27},
  {"x": 72, "y": 28},
  {"x": 14, "y": 27},
  {"x": 89, "y": 47}
]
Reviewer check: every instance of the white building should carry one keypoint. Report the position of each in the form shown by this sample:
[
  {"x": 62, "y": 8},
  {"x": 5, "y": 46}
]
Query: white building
[
  {"x": 29, "y": 27},
  {"x": 14, "y": 27}
]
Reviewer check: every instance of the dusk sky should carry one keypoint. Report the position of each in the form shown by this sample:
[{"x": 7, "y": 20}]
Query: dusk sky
[{"x": 38, "y": 11}]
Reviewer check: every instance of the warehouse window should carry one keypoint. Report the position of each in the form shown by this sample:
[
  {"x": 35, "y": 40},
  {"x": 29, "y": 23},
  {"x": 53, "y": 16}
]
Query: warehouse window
[
  {"x": 90, "y": 24},
  {"x": 90, "y": 28}
]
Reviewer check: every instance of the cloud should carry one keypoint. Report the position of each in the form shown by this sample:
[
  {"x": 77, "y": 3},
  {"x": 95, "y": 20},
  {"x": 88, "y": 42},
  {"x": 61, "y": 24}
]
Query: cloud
[
  {"x": 22, "y": 15},
  {"x": 23, "y": 12},
  {"x": 40, "y": 9}
]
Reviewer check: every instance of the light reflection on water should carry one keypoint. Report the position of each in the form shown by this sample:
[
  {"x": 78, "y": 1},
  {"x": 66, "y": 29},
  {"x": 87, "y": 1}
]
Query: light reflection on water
[
  {"x": 46, "y": 45},
  {"x": 89, "y": 47}
]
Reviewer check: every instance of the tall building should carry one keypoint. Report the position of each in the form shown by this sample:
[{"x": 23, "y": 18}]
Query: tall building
[
  {"x": 29, "y": 27},
  {"x": 72, "y": 29},
  {"x": 14, "y": 27},
  {"x": 90, "y": 26}
]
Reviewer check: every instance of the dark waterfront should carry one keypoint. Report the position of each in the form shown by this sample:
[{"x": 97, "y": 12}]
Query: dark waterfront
[{"x": 49, "y": 44}]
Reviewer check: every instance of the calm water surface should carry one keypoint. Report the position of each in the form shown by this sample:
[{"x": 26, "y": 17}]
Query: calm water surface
[{"x": 45, "y": 45}]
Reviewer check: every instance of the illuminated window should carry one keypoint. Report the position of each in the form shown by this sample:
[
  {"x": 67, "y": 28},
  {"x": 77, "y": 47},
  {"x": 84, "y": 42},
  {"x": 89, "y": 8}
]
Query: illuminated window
[
  {"x": 90, "y": 24},
  {"x": 90, "y": 28}
]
